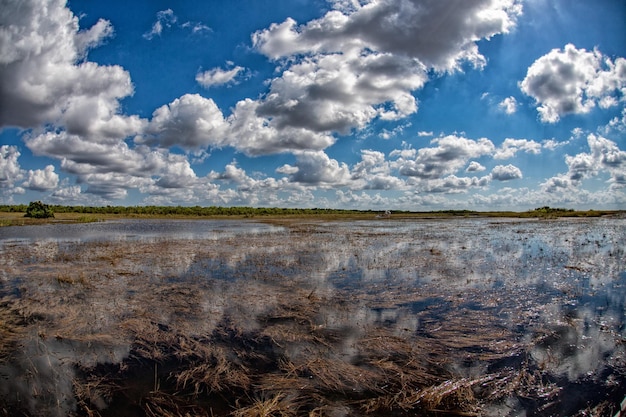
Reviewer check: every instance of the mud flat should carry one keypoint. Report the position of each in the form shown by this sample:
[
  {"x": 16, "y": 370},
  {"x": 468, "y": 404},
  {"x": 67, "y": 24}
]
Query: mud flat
[{"x": 464, "y": 317}]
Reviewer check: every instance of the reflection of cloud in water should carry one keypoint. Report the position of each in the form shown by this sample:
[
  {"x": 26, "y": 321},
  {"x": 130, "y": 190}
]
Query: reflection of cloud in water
[{"x": 43, "y": 372}]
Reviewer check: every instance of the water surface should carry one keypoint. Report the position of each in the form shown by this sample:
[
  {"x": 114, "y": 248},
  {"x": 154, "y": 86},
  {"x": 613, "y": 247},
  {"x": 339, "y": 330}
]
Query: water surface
[{"x": 485, "y": 316}]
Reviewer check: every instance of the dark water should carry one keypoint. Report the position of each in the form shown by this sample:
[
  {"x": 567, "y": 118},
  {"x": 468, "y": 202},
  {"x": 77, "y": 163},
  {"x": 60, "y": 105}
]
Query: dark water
[{"x": 557, "y": 288}]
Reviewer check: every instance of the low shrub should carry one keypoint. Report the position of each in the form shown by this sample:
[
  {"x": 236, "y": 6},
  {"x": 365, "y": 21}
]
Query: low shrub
[{"x": 38, "y": 210}]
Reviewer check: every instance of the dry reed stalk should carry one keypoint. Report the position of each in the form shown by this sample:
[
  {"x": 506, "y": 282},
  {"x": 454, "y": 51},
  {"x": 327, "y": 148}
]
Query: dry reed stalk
[
  {"x": 160, "y": 404},
  {"x": 95, "y": 392},
  {"x": 521, "y": 382},
  {"x": 150, "y": 340},
  {"x": 267, "y": 405},
  {"x": 339, "y": 376},
  {"x": 419, "y": 361},
  {"x": 12, "y": 326},
  {"x": 275, "y": 382},
  {"x": 215, "y": 374},
  {"x": 302, "y": 309},
  {"x": 451, "y": 395}
]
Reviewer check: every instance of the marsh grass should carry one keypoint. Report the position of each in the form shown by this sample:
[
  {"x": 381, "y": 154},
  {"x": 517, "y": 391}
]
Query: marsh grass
[
  {"x": 161, "y": 404},
  {"x": 88, "y": 219},
  {"x": 137, "y": 333},
  {"x": 270, "y": 404},
  {"x": 257, "y": 376},
  {"x": 14, "y": 326}
]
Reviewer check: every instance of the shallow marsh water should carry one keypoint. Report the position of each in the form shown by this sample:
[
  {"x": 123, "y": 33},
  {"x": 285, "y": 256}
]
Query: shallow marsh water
[{"x": 490, "y": 317}]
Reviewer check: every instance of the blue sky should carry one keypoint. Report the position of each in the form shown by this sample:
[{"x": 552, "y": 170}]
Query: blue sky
[{"x": 379, "y": 104}]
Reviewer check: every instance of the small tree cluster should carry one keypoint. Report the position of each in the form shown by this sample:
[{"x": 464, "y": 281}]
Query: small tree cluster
[{"x": 38, "y": 210}]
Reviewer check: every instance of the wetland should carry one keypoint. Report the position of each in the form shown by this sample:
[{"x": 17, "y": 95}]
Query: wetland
[{"x": 369, "y": 317}]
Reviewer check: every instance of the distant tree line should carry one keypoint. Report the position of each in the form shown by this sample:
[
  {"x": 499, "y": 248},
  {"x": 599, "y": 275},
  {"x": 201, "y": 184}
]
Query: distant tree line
[
  {"x": 38, "y": 209},
  {"x": 177, "y": 210}
]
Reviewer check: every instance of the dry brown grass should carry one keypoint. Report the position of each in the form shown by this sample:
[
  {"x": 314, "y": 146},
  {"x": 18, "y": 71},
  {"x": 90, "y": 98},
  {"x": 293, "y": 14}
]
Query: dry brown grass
[
  {"x": 270, "y": 405},
  {"x": 13, "y": 325},
  {"x": 215, "y": 373},
  {"x": 93, "y": 394},
  {"x": 161, "y": 404}
]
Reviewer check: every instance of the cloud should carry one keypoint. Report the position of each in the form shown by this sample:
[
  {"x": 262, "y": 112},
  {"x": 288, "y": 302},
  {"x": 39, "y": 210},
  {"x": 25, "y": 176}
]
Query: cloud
[
  {"x": 190, "y": 121},
  {"x": 510, "y": 147},
  {"x": 255, "y": 135},
  {"x": 475, "y": 167},
  {"x": 175, "y": 172},
  {"x": 617, "y": 124},
  {"x": 42, "y": 79},
  {"x": 604, "y": 156},
  {"x": 93, "y": 37},
  {"x": 42, "y": 179},
  {"x": 197, "y": 27},
  {"x": 109, "y": 170},
  {"x": 608, "y": 157},
  {"x": 388, "y": 134},
  {"x": 448, "y": 156},
  {"x": 453, "y": 184},
  {"x": 111, "y": 185},
  {"x": 341, "y": 92},
  {"x": 438, "y": 34},
  {"x": 506, "y": 173},
  {"x": 165, "y": 19},
  {"x": 10, "y": 170},
  {"x": 574, "y": 81},
  {"x": 247, "y": 186},
  {"x": 80, "y": 156},
  {"x": 553, "y": 144},
  {"x": 557, "y": 183},
  {"x": 362, "y": 62},
  {"x": 318, "y": 169},
  {"x": 508, "y": 105},
  {"x": 373, "y": 172},
  {"x": 68, "y": 194},
  {"x": 194, "y": 122},
  {"x": 217, "y": 76}
]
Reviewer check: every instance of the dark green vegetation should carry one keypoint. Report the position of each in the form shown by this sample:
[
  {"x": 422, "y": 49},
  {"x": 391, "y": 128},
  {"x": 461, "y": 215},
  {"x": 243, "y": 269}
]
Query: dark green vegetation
[{"x": 38, "y": 210}]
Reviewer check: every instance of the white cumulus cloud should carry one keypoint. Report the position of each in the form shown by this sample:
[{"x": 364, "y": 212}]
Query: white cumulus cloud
[
  {"x": 317, "y": 168},
  {"x": 574, "y": 81},
  {"x": 42, "y": 179},
  {"x": 510, "y": 147},
  {"x": 508, "y": 105},
  {"x": 10, "y": 170},
  {"x": 190, "y": 121},
  {"x": 449, "y": 154},
  {"x": 506, "y": 173},
  {"x": 475, "y": 167},
  {"x": 42, "y": 79},
  {"x": 605, "y": 156},
  {"x": 363, "y": 61}
]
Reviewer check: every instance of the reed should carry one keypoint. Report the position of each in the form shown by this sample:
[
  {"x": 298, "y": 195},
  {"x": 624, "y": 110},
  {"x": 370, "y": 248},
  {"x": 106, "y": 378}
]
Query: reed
[
  {"x": 268, "y": 404},
  {"x": 161, "y": 404}
]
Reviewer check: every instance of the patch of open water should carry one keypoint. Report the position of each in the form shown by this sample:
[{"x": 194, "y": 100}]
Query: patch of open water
[{"x": 132, "y": 230}]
